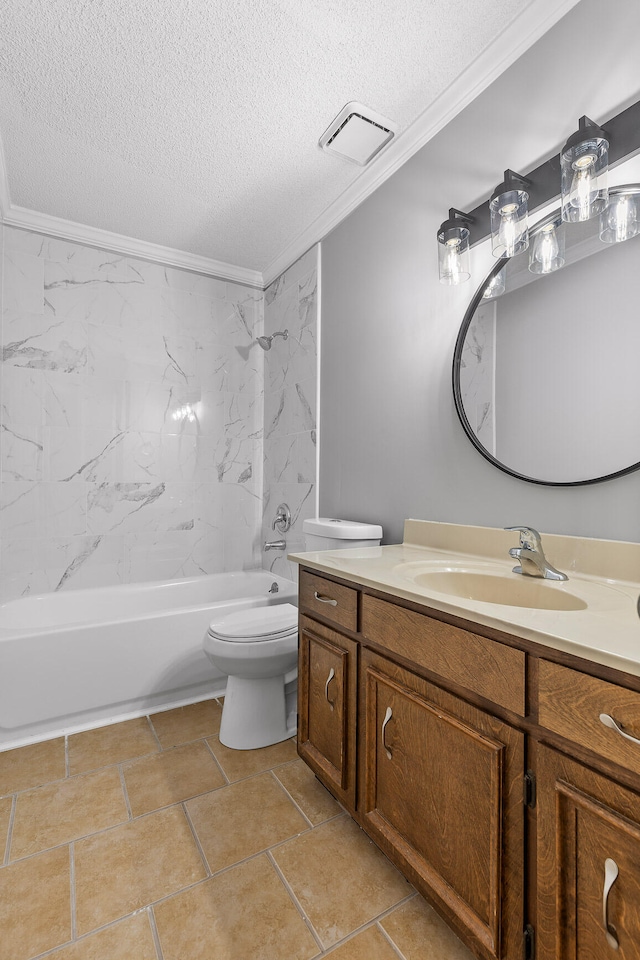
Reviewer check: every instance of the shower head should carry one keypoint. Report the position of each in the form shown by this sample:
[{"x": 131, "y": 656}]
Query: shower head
[{"x": 265, "y": 342}]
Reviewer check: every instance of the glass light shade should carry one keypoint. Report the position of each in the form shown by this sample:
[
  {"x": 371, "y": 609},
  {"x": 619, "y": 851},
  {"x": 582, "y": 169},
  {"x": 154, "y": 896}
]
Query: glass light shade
[
  {"x": 509, "y": 223},
  {"x": 619, "y": 221},
  {"x": 496, "y": 286},
  {"x": 584, "y": 166},
  {"x": 547, "y": 249},
  {"x": 453, "y": 254}
]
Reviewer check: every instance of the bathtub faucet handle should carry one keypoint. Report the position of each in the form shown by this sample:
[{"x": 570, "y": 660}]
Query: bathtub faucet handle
[
  {"x": 274, "y": 588},
  {"x": 282, "y": 520}
]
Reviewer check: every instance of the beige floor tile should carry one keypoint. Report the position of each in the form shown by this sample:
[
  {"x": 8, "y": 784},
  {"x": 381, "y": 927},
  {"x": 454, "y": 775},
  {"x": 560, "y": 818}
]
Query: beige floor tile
[
  {"x": 245, "y": 914},
  {"x": 133, "y": 865},
  {"x": 131, "y": 939},
  {"x": 184, "y": 724},
  {"x": 171, "y": 776},
  {"x": 63, "y": 811},
  {"x": 242, "y": 819},
  {"x": 314, "y": 800},
  {"x": 35, "y": 905},
  {"x": 238, "y": 764},
  {"x": 420, "y": 934},
  {"x": 31, "y": 766},
  {"x": 371, "y": 944},
  {"x": 340, "y": 878},
  {"x": 5, "y": 816},
  {"x": 108, "y": 745}
]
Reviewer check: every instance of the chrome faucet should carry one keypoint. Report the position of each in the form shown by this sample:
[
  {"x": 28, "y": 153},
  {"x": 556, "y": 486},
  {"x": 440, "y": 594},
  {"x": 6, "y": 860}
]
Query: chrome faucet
[
  {"x": 533, "y": 562},
  {"x": 276, "y": 545}
]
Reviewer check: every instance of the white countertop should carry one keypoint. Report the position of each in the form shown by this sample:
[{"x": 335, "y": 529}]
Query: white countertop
[{"x": 604, "y": 574}]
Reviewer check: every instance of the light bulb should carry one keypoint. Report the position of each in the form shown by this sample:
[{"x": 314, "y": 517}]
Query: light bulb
[
  {"x": 509, "y": 228},
  {"x": 452, "y": 260},
  {"x": 585, "y": 184},
  {"x": 548, "y": 249}
]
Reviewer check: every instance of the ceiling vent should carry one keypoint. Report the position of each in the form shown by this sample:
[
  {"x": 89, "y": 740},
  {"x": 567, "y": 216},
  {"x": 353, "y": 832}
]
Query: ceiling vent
[{"x": 357, "y": 134}]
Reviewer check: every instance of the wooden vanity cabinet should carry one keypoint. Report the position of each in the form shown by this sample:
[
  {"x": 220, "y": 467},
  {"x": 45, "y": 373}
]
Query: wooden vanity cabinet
[
  {"x": 482, "y": 767},
  {"x": 327, "y": 678},
  {"x": 588, "y": 863},
  {"x": 441, "y": 794}
]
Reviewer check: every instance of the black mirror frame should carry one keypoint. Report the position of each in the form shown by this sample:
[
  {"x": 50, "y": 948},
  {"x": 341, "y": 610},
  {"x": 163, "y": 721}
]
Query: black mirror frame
[{"x": 462, "y": 416}]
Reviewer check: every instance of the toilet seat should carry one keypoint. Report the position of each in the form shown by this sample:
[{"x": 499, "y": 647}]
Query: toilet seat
[{"x": 257, "y": 624}]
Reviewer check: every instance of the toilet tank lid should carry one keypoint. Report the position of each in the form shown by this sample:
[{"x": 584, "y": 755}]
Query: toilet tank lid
[
  {"x": 342, "y": 529},
  {"x": 256, "y": 623}
]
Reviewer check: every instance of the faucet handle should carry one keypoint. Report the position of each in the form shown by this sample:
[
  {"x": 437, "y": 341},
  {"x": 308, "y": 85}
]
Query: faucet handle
[{"x": 529, "y": 538}]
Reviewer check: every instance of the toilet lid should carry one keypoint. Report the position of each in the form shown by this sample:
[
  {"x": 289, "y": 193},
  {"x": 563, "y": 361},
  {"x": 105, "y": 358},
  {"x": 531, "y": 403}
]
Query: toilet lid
[{"x": 257, "y": 623}]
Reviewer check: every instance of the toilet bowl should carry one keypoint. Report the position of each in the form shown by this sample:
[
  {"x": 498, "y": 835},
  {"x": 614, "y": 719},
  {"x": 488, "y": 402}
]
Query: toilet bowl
[{"x": 258, "y": 650}]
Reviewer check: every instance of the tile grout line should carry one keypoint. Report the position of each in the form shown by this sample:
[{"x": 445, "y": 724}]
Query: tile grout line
[
  {"x": 12, "y": 817},
  {"x": 293, "y": 801},
  {"x": 153, "y": 731},
  {"x": 72, "y": 882},
  {"x": 123, "y": 784},
  {"x": 154, "y": 932},
  {"x": 295, "y": 901},
  {"x": 196, "y": 839},
  {"x": 66, "y": 757},
  {"x": 387, "y": 937},
  {"x": 217, "y": 762}
]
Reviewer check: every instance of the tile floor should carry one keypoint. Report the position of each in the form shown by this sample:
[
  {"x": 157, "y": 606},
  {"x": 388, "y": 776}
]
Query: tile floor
[{"x": 149, "y": 840}]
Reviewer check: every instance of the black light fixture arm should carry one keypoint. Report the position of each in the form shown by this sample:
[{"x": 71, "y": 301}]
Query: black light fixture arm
[{"x": 623, "y": 134}]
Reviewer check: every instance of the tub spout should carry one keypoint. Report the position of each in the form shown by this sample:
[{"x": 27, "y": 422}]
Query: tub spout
[{"x": 276, "y": 545}]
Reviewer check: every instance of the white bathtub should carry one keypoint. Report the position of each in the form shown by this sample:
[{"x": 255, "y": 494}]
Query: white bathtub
[{"x": 76, "y": 659}]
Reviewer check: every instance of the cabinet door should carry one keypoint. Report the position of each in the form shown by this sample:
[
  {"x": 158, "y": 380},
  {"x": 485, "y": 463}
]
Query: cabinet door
[
  {"x": 327, "y": 707},
  {"x": 588, "y": 863},
  {"x": 444, "y": 798}
]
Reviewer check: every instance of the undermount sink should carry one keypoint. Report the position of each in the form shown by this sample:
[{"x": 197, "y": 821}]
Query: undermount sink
[{"x": 508, "y": 590}]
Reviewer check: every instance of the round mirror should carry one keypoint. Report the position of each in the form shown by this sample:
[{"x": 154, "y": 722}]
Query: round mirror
[{"x": 545, "y": 370}]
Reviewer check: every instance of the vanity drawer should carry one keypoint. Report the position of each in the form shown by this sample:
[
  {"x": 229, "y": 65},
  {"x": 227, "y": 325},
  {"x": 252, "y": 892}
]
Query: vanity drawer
[
  {"x": 330, "y": 600},
  {"x": 491, "y": 669},
  {"x": 571, "y": 703}
]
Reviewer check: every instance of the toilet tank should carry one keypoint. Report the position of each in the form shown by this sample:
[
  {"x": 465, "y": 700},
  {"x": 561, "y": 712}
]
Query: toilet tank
[{"x": 324, "y": 533}]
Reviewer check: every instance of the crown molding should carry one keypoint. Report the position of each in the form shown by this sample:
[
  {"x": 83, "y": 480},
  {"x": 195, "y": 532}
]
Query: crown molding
[
  {"x": 129, "y": 246},
  {"x": 503, "y": 51}
]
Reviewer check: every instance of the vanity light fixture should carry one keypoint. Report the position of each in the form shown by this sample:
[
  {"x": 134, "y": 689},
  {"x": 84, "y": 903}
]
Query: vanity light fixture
[
  {"x": 509, "y": 208},
  {"x": 584, "y": 162},
  {"x": 619, "y": 221},
  {"x": 496, "y": 286},
  {"x": 453, "y": 248},
  {"x": 547, "y": 248}
]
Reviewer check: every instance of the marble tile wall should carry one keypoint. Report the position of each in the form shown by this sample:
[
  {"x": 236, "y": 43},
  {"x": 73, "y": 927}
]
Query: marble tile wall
[
  {"x": 291, "y": 377},
  {"x": 131, "y": 418}
]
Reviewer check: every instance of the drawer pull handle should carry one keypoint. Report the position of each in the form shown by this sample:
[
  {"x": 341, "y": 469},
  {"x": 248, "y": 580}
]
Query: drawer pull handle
[
  {"x": 333, "y": 603},
  {"x": 610, "y": 722},
  {"x": 332, "y": 674},
  {"x": 610, "y": 876},
  {"x": 387, "y": 717}
]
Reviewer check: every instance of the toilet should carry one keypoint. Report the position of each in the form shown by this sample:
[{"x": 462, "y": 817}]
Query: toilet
[{"x": 258, "y": 650}]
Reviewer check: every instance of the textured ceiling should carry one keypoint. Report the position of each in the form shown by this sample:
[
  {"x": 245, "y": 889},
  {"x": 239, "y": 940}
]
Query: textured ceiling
[{"x": 194, "y": 124}]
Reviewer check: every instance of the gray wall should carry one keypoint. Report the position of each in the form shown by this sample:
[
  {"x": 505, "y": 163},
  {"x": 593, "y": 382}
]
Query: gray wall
[{"x": 391, "y": 444}]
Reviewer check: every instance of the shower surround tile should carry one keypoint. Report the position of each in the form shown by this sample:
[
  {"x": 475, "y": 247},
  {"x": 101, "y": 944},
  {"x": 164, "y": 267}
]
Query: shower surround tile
[{"x": 130, "y": 392}]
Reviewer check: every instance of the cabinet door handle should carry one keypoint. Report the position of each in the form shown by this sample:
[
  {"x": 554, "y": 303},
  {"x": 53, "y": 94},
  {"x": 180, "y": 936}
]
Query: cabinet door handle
[
  {"x": 387, "y": 717},
  {"x": 332, "y": 674},
  {"x": 610, "y": 722},
  {"x": 610, "y": 876},
  {"x": 333, "y": 603}
]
